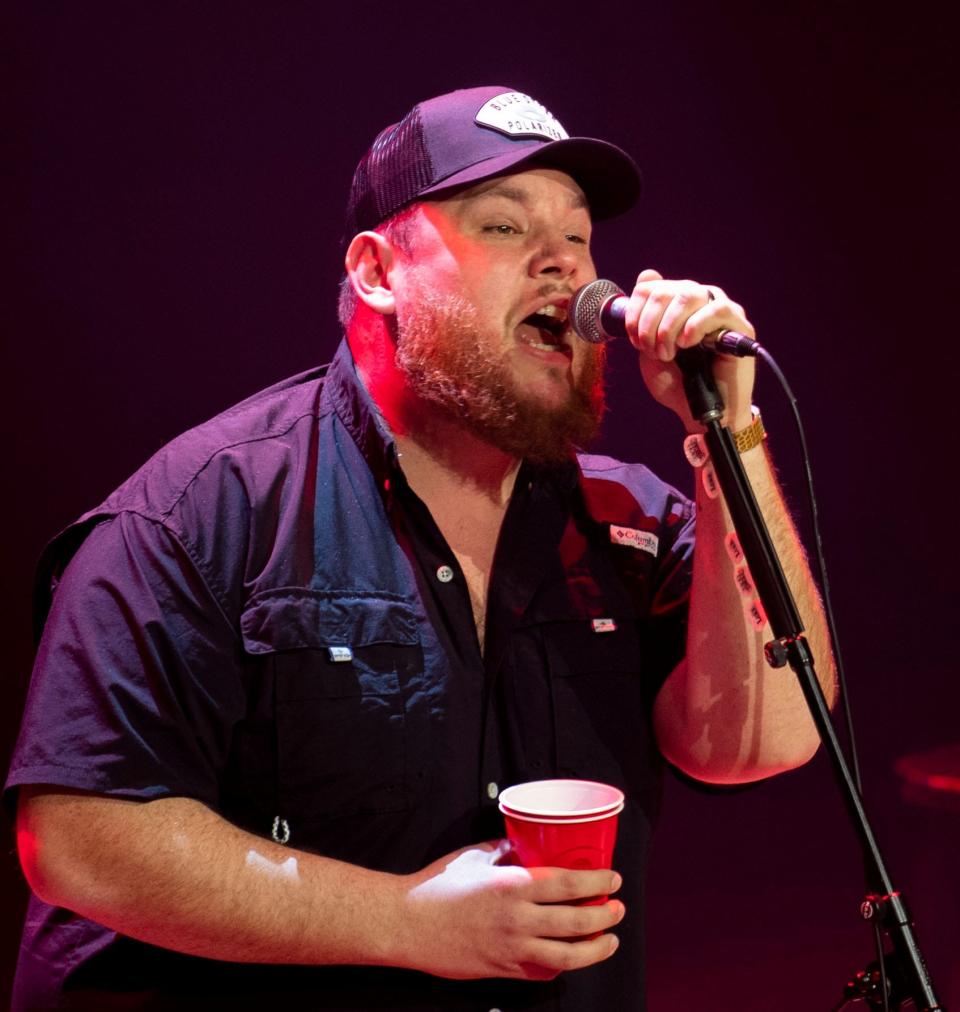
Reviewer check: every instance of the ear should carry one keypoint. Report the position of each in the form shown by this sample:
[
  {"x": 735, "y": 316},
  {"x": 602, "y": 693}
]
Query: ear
[{"x": 367, "y": 264}]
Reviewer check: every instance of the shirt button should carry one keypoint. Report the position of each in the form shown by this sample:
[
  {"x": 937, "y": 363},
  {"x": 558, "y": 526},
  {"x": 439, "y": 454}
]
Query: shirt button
[
  {"x": 444, "y": 574},
  {"x": 492, "y": 790}
]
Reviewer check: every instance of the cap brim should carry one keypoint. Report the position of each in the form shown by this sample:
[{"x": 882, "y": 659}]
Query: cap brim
[{"x": 608, "y": 176}]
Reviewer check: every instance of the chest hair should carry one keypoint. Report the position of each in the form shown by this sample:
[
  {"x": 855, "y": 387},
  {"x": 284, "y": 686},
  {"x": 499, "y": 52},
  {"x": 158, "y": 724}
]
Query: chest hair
[{"x": 472, "y": 535}]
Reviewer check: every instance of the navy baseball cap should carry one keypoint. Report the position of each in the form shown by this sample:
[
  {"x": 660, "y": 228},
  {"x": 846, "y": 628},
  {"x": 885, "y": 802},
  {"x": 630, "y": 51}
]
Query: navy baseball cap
[{"x": 466, "y": 136}]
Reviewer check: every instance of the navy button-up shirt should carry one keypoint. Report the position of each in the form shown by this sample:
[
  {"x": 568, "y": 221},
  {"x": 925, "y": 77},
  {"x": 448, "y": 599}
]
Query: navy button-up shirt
[{"x": 257, "y": 619}]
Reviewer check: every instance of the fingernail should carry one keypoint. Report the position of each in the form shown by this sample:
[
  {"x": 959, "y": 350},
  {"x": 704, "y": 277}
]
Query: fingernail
[
  {"x": 615, "y": 882},
  {"x": 614, "y": 943},
  {"x": 663, "y": 354}
]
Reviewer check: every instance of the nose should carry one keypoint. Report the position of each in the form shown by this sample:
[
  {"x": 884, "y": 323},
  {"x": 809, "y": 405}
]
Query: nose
[{"x": 556, "y": 257}]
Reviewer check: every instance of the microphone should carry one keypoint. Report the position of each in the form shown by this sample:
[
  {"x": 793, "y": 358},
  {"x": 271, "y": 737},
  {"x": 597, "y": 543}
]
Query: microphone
[{"x": 597, "y": 310}]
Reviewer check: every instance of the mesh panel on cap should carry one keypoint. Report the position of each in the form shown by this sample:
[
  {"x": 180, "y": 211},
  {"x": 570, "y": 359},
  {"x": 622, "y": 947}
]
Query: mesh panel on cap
[{"x": 393, "y": 172}]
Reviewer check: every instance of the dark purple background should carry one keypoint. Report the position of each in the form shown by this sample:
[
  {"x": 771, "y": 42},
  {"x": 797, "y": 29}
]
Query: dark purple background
[{"x": 178, "y": 178}]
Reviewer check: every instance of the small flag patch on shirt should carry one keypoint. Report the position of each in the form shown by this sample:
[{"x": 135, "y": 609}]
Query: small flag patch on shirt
[
  {"x": 604, "y": 625},
  {"x": 643, "y": 540}
]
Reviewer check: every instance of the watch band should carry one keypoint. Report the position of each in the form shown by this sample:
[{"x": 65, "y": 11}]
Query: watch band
[{"x": 751, "y": 435}]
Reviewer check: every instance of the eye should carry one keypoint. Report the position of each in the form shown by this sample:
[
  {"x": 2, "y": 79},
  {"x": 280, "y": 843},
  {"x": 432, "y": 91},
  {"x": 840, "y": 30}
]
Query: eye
[
  {"x": 501, "y": 229},
  {"x": 579, "y": 239}
]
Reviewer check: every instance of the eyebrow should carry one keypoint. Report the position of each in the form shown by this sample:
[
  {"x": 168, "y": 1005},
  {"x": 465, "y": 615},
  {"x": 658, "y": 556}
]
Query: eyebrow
[{"x": 520, "y": 195}]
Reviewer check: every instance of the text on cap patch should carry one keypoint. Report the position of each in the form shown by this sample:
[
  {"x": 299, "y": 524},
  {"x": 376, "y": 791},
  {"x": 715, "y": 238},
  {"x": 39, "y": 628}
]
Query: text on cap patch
[{"x": 519, "y": 115}]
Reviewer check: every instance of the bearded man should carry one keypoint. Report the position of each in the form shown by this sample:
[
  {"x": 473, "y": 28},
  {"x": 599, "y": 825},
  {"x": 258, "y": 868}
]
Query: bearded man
[{"x": 290, "y": 664}]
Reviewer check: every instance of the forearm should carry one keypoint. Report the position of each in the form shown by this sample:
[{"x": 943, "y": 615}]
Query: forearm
[
  {"x": 725, "y": 715},
  {"x": 173, "y": 873}
]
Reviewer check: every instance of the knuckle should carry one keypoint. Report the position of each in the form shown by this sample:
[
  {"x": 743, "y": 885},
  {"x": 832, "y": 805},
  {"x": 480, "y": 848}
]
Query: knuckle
[
  {"x": 511, "y": 920},
  {"x": 506, "y": 885},
  {"x": 567, "y": 883}
]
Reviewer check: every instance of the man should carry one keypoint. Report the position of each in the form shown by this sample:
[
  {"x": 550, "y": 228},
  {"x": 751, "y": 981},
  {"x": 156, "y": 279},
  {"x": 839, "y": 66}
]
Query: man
[{"x": 289, "y": 664}]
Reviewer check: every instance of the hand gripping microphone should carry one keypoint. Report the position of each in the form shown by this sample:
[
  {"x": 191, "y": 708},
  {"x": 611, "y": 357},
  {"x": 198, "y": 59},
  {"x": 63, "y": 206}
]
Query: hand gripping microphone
[{"x": 597, "y": 311}]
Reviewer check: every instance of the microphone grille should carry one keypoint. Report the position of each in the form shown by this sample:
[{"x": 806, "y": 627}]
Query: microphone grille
[{"x": 585, "y": 309}]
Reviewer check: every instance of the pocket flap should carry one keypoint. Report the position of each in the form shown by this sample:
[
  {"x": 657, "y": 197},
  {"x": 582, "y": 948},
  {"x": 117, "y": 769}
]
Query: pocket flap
[{"x": 292, "y": 618}]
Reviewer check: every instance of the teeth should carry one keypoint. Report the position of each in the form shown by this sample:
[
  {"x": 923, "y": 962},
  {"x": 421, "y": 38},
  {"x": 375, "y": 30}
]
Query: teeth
[
  {"x": 555, "y": 311},
  {"x": 545, "y": 347}
]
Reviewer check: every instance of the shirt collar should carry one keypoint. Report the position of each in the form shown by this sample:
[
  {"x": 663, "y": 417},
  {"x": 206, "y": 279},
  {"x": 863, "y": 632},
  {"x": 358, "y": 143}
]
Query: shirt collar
[{"x": 344, "y": 391}]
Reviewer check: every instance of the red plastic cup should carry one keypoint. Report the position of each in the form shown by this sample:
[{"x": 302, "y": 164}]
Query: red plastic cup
[{"x": 562, "y": 823}]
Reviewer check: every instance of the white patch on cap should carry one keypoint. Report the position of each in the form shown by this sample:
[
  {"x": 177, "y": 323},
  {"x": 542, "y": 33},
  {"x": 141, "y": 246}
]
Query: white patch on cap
[{"x": 519, "y": 115}]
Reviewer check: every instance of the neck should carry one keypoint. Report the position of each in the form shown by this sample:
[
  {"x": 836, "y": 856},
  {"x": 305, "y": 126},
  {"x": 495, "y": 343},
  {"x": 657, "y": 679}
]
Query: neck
[{"x": 443, "y": 455}]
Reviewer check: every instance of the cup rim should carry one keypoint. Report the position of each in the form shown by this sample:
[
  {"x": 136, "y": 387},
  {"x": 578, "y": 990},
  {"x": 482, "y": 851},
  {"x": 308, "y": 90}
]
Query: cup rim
[
  {"x": 597, "y": 817},
  {"x": 546, "y": 814}
]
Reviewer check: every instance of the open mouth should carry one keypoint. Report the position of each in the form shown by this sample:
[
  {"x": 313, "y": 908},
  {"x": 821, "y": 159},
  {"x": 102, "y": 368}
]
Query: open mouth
[{"x": 550, "y": 324}]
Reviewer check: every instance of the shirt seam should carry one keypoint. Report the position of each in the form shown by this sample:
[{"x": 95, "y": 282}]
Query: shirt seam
[
  {"x": 198, "y": 471},
  {"x": 217, "y": 593}
]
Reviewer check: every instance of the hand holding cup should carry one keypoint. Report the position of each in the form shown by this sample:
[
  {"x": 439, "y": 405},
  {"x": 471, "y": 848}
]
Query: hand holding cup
[{"x": 562, "y": 823}]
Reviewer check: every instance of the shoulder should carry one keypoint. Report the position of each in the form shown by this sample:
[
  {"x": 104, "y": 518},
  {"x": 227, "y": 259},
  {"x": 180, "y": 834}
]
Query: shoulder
[
  {"x": 259, "y": 433},
  {"x": 210, "y": 490}
]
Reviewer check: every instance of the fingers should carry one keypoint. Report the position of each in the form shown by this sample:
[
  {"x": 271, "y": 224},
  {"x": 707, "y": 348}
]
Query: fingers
[
  {"x": 549, "y": 958},
  {"x": 665, "y": 316},
  {"x": 563, "y": 885},
  {"x": 557, "y": 934},
  {"x": 576, "y": 922},
  {"x": 568, "y": 938},
  {"x": 471, "y": 917}
]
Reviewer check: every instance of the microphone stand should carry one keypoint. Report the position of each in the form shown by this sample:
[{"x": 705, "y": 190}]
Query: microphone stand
[{"x": 907, "y": 972}]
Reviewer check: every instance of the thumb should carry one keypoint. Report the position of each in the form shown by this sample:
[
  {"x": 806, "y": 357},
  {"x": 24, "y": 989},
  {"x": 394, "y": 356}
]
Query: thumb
[{"x": 649, "y": 275}]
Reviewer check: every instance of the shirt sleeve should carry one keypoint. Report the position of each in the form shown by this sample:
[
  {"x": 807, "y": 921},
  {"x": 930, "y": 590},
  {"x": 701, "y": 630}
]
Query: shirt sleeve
[{"x": 137, "y": 681}]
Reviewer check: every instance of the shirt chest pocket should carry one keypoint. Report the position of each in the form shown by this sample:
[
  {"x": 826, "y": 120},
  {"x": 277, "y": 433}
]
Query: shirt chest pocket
[{"x": 343, "y": 670}]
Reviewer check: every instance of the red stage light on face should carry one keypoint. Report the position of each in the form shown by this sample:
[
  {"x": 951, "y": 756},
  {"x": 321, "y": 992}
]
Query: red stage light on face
[{"x": 27, "y": 849}]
